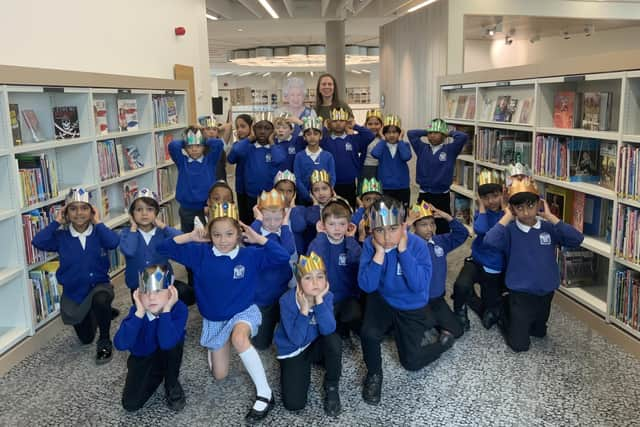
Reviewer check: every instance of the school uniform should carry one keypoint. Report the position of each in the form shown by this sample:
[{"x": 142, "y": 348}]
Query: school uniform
[
  {"x": 434, "y": 170},
  {"x": 532, "y": 274},
  {"x": 398, "y": 292},
  {"x": 290, "y": 146},
  {"x": 303, "y": 221},
  {"x": 301, "y": 340},
  {"x": 370, "y": 164},
  {"x": 305, "y": 163},
  {"x": 155, "y": 343},
  {"x": 273, "y": 283},
  {"x": 393, "y": 170},
  {"x": 358, "y": 215},
  {"x": 439, "y": 247}
]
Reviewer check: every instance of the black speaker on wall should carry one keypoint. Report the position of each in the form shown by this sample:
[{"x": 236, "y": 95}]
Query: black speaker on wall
[{"x": 216, "y": 105}]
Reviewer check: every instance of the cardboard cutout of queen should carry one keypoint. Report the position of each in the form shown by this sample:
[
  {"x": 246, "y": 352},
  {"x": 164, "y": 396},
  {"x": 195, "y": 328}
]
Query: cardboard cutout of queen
[{"x": 293, "y": 95}]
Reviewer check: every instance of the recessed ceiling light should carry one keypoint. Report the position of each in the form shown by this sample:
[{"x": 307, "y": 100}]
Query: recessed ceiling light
[
  {"x": 289, "y": 74},
  {"x": 212, "y": 17},
  {"x": 240, "y": 29},
  {"x": 421, "y": 5},
  {"x": 268, "y": 8}
]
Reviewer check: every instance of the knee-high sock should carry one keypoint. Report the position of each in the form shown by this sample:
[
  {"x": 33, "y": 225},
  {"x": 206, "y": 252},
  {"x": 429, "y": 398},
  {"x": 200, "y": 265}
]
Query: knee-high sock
[{"x": 251, "y": 360}]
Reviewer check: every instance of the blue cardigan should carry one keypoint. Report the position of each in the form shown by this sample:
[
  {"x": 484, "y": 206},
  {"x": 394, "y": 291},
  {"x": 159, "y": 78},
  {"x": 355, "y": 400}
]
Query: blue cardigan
[{"x": 486, "y": 255}]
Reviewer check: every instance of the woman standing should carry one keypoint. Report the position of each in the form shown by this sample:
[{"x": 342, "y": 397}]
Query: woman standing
[
  {"x": 293, "y": 94},
  {"x": 327, "y": 97}
]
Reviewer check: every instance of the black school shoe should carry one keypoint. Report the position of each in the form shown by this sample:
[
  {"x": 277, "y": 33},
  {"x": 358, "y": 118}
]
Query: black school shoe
[
  {"x": 489, "y": 318},
  {"x": 254, "y": 416},
  {"x": 114, "y": 313},
  {"x": 372, "y": 389},
  {"x": 447, "y": 339},
  {"x": 104, "y": 351},
  {"x": 175, "y": 397},
  {"x": 463, "y": 318},
  {"x": 332, "y": 405}
]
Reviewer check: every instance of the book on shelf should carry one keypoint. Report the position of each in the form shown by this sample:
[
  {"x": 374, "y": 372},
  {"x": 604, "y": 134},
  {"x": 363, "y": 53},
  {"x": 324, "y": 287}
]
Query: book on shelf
[
  {"x": 133, "y": 157},
  {"x": 578, "y": 210},
  {"x": 522, "y": 152},
  {"x": 470, "y": 109},
  {"x": 584, "y": 155},
  {"x": 460, "y": 106},
  {"x": 129, "y": 189},
  {"x": 551, "y": 156},
  {"x": 38, "y": 178},
  {"x": 451, "y": 106},
  {"x": 596, "y": 110},
  {"x": 525, "y": 111},
  {"x": 629, "y": 171},
  {"x": 162, "y": 141},
  {"x": 100, "y": 114},
  {"x": 627, "y": 242},
  {"x": 502, "y": 109},
  {"x": 14, "y": 118},
  {"x": 462, "y": 209},
  {"x": 46, "y": 292},
  {"x": 31, "y": 120},
  {"x": 467, "y": 149},
  {"x": 108, "y": 159},
  {"x": 165, "y": 110},
  {"x": 127, "y": 114},
  {"x": 169, "y": 214},
  {"x": 566, "y": 108},
  {"x": 488, "y": 107},
  {"x": 32, "y": 223},
  {"x": 104, "y": 201},
  {"x": 464, "y": 174},
  {"x": 166, "y": 182},
  {"x": 598, "y": 216},
  {"x": 503, "y": 146},
  {"x": 511, "y": 110},
  {"x": 560, "y": 201},
  {"x": 626, "y": 297},
  {"x": 577, "y": 267},
  {"x": 608, "y": 164},
  {"x": 65, "y": 122}
]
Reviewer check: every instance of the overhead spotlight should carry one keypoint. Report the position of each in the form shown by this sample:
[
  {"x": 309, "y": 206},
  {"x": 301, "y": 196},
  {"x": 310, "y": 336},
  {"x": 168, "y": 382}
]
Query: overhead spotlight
[
  {"x": 491, "y": 31},
  {"x": 589, "y": 30},
  {"x": 534, "y": 39},
  {"x": 508, "y": 40},
  {"x": 566, "y": 35},
  {"x": 311, "y": 72},
  {"x": 289, "y": 74}
]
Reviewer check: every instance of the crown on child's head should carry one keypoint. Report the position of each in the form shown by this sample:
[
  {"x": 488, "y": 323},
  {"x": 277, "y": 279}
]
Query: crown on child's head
[
  {"x": 320, "y": 175},
  {"x": 375, "y": 112},
  {"x": 271, "y": 200},
  {"x": 420, "y": 210},
  {"x": 307, "y": 264},
  {"x": 194, "y": 137},
  {"x": 153, "y": 280},
  {"x": 518, "y": 169},
  {"x": 438, "y": 125},
  {"x": 312, "y": 123},
  {"x": 209, "y": 122},
  {"x": 519, "y": 180},
  {"x": 144, "y": 193},
  {"x": 285, "y": 175},
  {"x": 223, "y": 210},
  {"x": 392, "y": 120},
  {"x": 263, "y": 116},
  {"x": 339, "y": 114},
  {"x": 370, "y": 185},
  {"x": 382, "y": 214},
  {"x": 77, "y": 194},
  {"x": 490, "y": 176}
]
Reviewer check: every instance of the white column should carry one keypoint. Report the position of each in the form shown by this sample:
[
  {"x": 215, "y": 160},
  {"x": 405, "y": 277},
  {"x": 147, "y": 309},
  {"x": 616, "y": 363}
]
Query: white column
[{"x": 334, "y": 36}]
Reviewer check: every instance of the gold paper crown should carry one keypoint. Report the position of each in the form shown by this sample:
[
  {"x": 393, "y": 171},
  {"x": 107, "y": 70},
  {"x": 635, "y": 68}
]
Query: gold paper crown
[
  {"x": 392, "y": 120},
  {"x": 262, "y": 116},
  {"x": 307, "y": 264},
  {"x": 312, "y": 123},
  {"x": 210, "y": 122},
  {"x": 420, "y": 210},
  {"x": 285, "y": 175},
  {"x": 522, "y": 184},
  {"x": 320, "y": 175},
  {"x": 77, "y": 194},
  {"x": 490, "y": 176},
  {"x": 271, "y": 200},
  {"x": 153, "y": 280},
  {"x": 375, "y": 112},
  {"x": 381, "y": 214},
  {"x": 370, "y": 185},
  {"x": 223, "y": 210},
  {"x": 339, "y": 114}
]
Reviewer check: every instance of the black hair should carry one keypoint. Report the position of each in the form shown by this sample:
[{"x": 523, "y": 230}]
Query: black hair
[
  {"x": 387, "y": 128},
  {"x": 149, "y": 201},
  {"x": 522, "y": 198},
  {"x": 220, "y": 183},
  {"x": 304, "y": 132},
  {"x": 245, "y": 118},
  {"x": 486, "y": 189}
]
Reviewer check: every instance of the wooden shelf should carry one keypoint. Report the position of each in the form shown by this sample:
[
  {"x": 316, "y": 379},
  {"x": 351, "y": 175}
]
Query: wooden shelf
[
  {"x": 7, "y": 213},
  {"x": 630, "y": 202},
  {"x": 598, "y": 246},
  {"x": 584, "y": 297},
  {"x": 466, "y": 157},
  {"x": 172, "y": 127},
  {"x": 35, "y": 265},
  {"x": 167, "y": 199},
  {"x": 6, "y": 274},
  {"x": 122, "y": 134},
  {"x": 626, "y": 263},
  {"x": 583, "y": 187},
  {"x": 455, "y": 121},
  {"x": 50, "y": 318},
  {"x": 631, "y": 138},
  {"x": 165, "y": 164},
  {"x": 115, "y": 221},
  {"x": 582, "y": 133},
  {"x": 62, "y": 194}
]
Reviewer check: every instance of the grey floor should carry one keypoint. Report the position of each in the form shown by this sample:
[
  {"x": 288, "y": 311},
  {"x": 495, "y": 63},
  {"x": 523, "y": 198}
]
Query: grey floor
[{"x": 572, "y": 377}]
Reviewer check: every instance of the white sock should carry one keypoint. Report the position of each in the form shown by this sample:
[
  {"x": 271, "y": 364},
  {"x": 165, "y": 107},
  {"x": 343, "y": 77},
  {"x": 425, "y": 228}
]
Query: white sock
[{"x": 251, "y": 360}]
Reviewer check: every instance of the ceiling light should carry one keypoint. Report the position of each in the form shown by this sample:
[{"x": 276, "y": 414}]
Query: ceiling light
[
  {"x": 364, "y": 70},
  {"x": 268, "y": 8},
  {"x": 491, "y": 32},
  {"x": 209, "y": 16},
  {"x": 245, "y": 74},
  {"x": 289, "y": 74},
  {"x": 421, "y": 5},
  {"x": 508, "y": 40},
  {"x": 311, "y": 72},
  {"x": 312, "y": 56},
  {"x": 240, "y": 29},
  {"x": 356, "y": 72}
]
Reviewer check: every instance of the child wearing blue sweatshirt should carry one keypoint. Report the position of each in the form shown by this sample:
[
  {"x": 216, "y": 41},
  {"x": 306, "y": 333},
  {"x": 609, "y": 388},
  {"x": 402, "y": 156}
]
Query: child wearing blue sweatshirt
[
  {"x": 435, "y": 164},
  {"x": 395, "y": 272},
  {"x": 529, "y": 245},
  {"x": 287, "y": 140},
  {"x": 423, "y": 218},
  {"x": 243, "y": 124},
  {"x": 373, "y": 122},
  {"x": 82, "y": 242},
  {"x": 272, "y": 221},
  {"x": 340, "y": 252},
  {"x": 486, "y": 264},
  {"x": 306, "y": 334},
  {"x": 370, "y": 190},
  {"x": 348, "y": 150},
  {"x": 393, "y": 155},
  {"x": 225, "y": 279},
  {"x": 312, "y": 158},
  {"x": 153, "y": 333}
]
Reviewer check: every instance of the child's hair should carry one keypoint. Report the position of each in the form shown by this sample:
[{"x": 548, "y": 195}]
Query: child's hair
[
  {"x": 235, "y": 223},
  {"x": 486, "y": 189},
  {"x": 245, "y": 118},
  {"x": 147, "y": 200},
  {"x": 281, "y": 121},
  {"x": 521, "y": 198},
  {"x": 306, "y": 131},
  {"x": 337, "y": 208},
  {"x": 388, "y": 128},
  {"x": 218, "y": 184}
]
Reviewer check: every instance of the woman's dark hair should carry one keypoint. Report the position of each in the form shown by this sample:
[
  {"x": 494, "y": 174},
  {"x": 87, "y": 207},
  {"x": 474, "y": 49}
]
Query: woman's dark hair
[
  {"x": 521, "y": 198},
  {"x": 486, "y": 189},
  {"x": 335, "y": 99},
  {"x": 245, "y": 118}
]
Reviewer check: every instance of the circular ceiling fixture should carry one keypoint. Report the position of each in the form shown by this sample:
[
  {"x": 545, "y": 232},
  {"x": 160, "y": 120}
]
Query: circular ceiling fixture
[{"x": 301, "y": 56}]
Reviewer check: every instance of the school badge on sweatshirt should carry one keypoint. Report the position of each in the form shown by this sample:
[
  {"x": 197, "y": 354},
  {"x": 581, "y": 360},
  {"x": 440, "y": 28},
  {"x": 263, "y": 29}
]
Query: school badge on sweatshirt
[
  {"x": 545, "y": 239},
  {"x": 438, "y": 251},
  {"x": 238, "y": 272},
  {"x": 348, "y": 147},
  {"x": 398, "y": 269},
  {"x": 292, "y": 150},
  {"x": 443, "y": 156},
  {"x": 267, "y": 157},
  {"x": 312, "y": 319},
  {"x": 342, "y": 259}
]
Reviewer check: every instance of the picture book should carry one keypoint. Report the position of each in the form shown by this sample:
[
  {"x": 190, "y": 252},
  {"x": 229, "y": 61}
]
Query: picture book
[
  {"x": 564, "y": 106},
  {"x": 14, "y": 117},
  {"x": 591, "y": 111},
  {"x": 592, "y": 215},
  {"x": 525, "y": 111},
  {"x": 584, "y": 160},
  {"x": 172, "y": 111},
  {"x": 560, "y": 201},
  {"x": 127, "y": 114},
  {"x": 607, "y": 164},
  {"x": 31, "y": 120},
  {"x": 462, "y": 209},
  {"x": 578, "y": 210},
  {"x": 487, "y": 109},
  {"x": 451, "y": 107},
  {"x": 502, "y": 108},
  {"x": 129, "y": 189},
  {"x": 511, "y": 110},
  {"x": 461, "y": 105},
  {"x": 100, "y": 113},
  {"x": 470, "y": 112},
  {"x": 65, "y": 122}
]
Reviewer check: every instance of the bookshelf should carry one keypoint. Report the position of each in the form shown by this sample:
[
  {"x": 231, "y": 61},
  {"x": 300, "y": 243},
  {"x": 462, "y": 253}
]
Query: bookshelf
[
  {"x": 612, "y": 240},
  {"x": 36, "y": 174}
]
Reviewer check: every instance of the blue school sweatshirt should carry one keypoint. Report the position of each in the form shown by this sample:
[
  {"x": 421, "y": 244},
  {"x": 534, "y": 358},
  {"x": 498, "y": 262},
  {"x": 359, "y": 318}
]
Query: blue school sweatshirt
[
  {"x": 295, "y": 330},
  {"x": 439, "y": 246},
  {"x": 139, "y": 255},
  {"x": 223, "y": 286},
  {"x": 403, "y": 279},
  {"x": 349, "y": 152},
  {"x": 303, "y": 221},
  {"x": 342, "y": 261},
  {"x": 486, "y": 255},
  {"x": 143, "y": 337},
  {"x": 195, "y": 177},
  {"x": 393, "y": 172},
  {"x": 303, "y": 167},
  {"x": 261, "y": 163},
  {"x": 531, "y": 264},
  {"x": 357, "y": 216},
  {"x": 80, "y": 269},
  {"x": 275, "y": 281},
  {"x": 291, "y": 147},
  {"x": 434, "y": 172}
]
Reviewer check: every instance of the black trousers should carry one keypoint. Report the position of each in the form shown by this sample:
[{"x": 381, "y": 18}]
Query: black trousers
[
  {"x": 244, "y": 210},
  {"x": 186, "y": 225},
  {"x": 368, "y": 172},
  {"x": 295, "y": 372},
  {"x": 221, "y": 167},
  {"x": 270, "y": 318},
  {"x": 442, "y": 202},
  {"x": 251, "y": 202},
  {"x": 492, "y": 286},
  {"x": 408, "y": 326},
  {"x": 347, "y": 191},
  {"x": 99, "y": 316},
  {"x": 186, "y": 293},
  {"x": 525, "y": 315},
  {"x": 444, "y": 317},
  {"x": 402, "y": 195},
  {"x": 348, "y": 314},
  {"x": 144, "y": 375}
]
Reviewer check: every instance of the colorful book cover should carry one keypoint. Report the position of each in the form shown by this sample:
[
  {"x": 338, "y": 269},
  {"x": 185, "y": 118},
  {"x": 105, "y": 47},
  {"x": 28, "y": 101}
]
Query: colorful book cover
[
  {"x": 502, "y": 109},
  {"x": 127, "y": 114},
  {"x": 511, "y": 110},
  {"x": 563, "y": 109},
  {"x": 31, "y": 120},
  {"x": 584, "y": 160},
  {"x": 470, "y": 112},
  {"x": 14, "y": 117},
  {"x": 607, "y": 164},
  {"x": 592, "y": 211},
  {"x": 578, "y": 210},
  {"x": 462, "y": 209},
  {"x": 129, "y": 189},
  {"x": 591, "y": 111},
  {"x": 100, "y": 113},
  {"x": 172, "y": 111},
  {"x": 65, "y": 122},
  {"x": 560, "y": 201}
]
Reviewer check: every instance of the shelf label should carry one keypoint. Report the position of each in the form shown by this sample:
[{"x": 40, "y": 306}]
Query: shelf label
[
  {"x": 169, "y": 92},
  {"x": 53, "y": 89},
  {"x": 503, "y": 84},
  {"x": 452, "y": 87},
  {"x": 124, "y": 90},
  {"x": 568, "y": 79}
]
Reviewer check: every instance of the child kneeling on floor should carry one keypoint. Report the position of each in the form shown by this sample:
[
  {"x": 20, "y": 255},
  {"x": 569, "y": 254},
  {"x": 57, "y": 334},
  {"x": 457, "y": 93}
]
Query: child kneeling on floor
[
  {"x": 153, "y": 333},
  {"x": 306, "y": 334}
]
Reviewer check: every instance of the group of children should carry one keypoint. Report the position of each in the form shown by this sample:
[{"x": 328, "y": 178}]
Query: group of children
[{"x": 286, "y": 260}]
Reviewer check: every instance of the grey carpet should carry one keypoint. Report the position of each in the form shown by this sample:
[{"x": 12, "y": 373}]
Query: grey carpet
[{"x": 572, "y": 377}]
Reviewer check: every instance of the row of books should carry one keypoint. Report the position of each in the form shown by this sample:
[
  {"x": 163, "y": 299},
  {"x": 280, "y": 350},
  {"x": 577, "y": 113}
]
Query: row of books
[
  {"x": 463, "y": 174},
  {"x": 167, "y": 181},
  {"x": 32, "y": 223},
  {"x": 38, "y": 178},
  {"x": 65, "y": 123},
  {"x": 628, "y": 171},
  {"x": 162, "y": 141},
  {"x": 46, "y": 291},
  {"x": 627, "y": 244},
  {"x": 127, "y": 115},
  {"x": 503, "y": 147},
  {"x": 115, "y": 159},
  {"x": 626, "y": 297},
  {"x": 165, "y": 110},
  {"x": 169, "y": 214},
  {"x": 507, "y": 108},
  {"x": 588, "y": 110},
  {"x": 461, "y": 107}
]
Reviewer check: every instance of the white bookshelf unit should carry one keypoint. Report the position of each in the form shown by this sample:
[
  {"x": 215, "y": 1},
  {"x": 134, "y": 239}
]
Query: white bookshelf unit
[
  {"x": 73, "y": 162},
  {"x": 616, "y": 247}
]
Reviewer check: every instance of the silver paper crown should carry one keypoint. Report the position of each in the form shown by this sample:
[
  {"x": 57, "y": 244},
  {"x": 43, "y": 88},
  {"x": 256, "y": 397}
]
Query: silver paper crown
[
  {"x": 262, "y": 116},
  {"x": 285, "y": 175},
  {"x": 154, "y": 281},
  {"x": 77, "y": 194},
  {"x": 382, "y": 215},
  {"x": 517, "y": 169},
  {"x": 194, "y": 138},
  {"x": 144, "y": 193}
]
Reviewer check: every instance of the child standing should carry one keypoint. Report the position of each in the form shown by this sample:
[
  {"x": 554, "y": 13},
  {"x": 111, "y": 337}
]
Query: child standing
[
  {"x": 306, "y": 334},
  {"x": 529, "y": 246},
  {"x": 243, "y": 131},
  {"x": 373, "y": 122},
  {"x": 312, "y": 158},
  {"x": 285, "y": 139},
  {"x": 225, "y": 280},
  {"x": 435, "y": 164},
  {"x": 393, "y": 155},
  {"x": 423, "y": 217},
  {"x": 395, "y": 272},
  {"x": 370, "y": 191},
  {"x": 153, "y": 333},
  {"x": 84, "y": 269}
]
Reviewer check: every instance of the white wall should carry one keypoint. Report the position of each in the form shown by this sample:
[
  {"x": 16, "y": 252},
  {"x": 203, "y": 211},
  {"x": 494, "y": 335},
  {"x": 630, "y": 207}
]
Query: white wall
[{"x": 132, "y": 37}]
